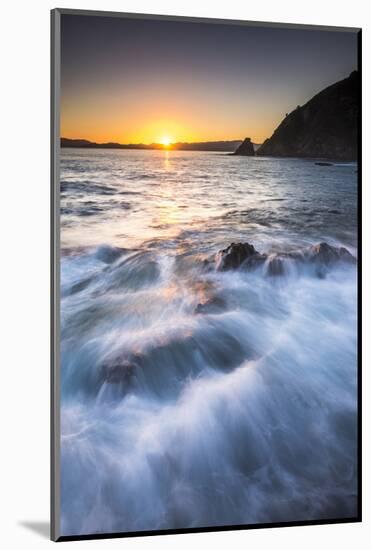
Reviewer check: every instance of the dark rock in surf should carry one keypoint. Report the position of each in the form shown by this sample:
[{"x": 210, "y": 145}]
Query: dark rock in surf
[
  {"x": 275, "y": 266},
  {"x": 216, "y": 304},
  {"x": 244, "y": 256},
  {"x": 324, "y": 163},
  {"x": 246, "y": 148},
  {"x": 119, "y": 371},
  {"x": 326, "y": 254},
  {"x": 237, "y": 255}
]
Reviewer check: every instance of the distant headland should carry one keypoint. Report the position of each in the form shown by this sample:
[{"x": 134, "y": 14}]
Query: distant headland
[{"x": 225, "y": 146}]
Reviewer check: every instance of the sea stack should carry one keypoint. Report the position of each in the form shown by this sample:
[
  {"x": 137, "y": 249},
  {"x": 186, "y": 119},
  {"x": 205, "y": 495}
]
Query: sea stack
[{"x": 246, "y": 149}]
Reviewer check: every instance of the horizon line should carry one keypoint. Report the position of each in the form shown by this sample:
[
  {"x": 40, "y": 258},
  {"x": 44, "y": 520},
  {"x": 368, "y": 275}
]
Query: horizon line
[{"x": 158, "y": 143}]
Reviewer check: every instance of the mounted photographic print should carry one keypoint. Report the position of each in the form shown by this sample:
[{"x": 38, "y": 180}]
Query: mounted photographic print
[{"x": 205, "y": 274}]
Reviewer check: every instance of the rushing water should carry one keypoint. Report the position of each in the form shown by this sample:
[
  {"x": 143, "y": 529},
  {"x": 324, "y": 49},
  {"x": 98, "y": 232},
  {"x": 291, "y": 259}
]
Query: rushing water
[{"x": 193, "y": 397}]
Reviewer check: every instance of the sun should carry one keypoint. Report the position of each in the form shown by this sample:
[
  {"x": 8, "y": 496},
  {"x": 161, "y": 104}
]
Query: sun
[{"x": 166, "y": 141}]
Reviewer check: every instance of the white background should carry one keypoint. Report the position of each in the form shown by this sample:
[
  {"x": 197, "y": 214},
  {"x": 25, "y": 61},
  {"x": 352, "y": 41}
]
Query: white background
[{"x": 24, "y": 271}]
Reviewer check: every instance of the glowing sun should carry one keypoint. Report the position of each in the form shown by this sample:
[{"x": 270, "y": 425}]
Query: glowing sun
[{"x": 165, "y": 141}]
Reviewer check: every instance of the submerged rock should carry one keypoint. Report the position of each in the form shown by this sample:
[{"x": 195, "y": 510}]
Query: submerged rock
[
  {"x": 119, "y": 371},
  {"x": 246, "y": 148},
  {"x": 216, "y": 304},
  {"x": 275, "y": 266}
]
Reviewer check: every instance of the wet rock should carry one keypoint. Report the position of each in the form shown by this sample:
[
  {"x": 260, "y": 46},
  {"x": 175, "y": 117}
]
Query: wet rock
[
  {"x": 119, "y": 371},
  {"x": 216, "y": 304},
  {"x": 244, "y": 255},
  {"x": 324, "y": 163},
  {"x": 275, "y": 266},
  {"x": 237, "y": 255},
  {"x": 346, "y": 256},
  {"x": 326, "y": 254}
]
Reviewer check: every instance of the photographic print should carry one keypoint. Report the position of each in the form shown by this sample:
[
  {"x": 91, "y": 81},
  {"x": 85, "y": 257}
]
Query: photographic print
[{"x": 206, "y": 257}]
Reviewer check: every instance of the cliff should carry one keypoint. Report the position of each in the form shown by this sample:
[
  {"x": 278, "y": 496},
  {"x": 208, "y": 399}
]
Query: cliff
[{"x": 325, "y": 127}]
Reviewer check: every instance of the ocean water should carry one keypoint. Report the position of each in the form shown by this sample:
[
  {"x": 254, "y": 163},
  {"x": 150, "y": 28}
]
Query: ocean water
[{"x": 192, "y": 397}]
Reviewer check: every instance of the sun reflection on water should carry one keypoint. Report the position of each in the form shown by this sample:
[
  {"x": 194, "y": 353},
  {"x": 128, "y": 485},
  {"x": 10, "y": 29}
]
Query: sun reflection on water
[{"x": 166, "y": 160}]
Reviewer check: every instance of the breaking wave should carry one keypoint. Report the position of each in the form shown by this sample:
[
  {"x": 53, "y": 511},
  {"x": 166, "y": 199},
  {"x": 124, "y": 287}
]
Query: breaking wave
[{"x": 194, "y": 398}]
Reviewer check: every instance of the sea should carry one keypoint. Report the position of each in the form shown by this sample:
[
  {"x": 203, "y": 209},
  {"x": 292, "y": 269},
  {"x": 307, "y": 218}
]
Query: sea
[{"x": 192, "y": 397}]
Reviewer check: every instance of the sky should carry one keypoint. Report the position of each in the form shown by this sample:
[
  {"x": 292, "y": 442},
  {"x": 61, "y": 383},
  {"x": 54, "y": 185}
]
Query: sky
[{"x": 145, "y": 81}]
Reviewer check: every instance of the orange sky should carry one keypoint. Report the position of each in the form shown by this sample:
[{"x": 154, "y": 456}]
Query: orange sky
[
  {"x": 136, "y": 81},
  {"x": 96, "y": 121}
]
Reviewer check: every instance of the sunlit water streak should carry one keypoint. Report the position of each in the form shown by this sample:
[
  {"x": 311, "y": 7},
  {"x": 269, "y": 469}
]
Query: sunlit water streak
[{"x": 241, "y": 413}]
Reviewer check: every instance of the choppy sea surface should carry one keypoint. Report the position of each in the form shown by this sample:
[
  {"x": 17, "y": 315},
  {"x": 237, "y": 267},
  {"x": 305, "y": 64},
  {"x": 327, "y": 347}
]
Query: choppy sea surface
[{"x": 192, "y": 397}]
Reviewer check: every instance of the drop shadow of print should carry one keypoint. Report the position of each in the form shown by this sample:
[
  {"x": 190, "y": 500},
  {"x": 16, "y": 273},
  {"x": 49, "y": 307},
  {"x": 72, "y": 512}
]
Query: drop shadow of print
[{"x": 41, "y": 528}]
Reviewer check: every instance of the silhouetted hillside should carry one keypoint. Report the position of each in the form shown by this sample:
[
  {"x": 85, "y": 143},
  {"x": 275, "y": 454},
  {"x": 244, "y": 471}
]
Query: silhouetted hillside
[{"x": 324, "y": 127}]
